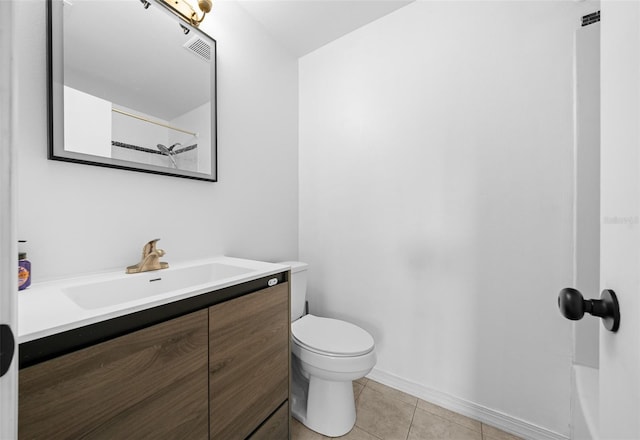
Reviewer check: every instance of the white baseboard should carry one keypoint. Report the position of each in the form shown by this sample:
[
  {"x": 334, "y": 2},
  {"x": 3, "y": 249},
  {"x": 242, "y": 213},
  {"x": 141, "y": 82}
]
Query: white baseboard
[{"x": 489, "y": 416}]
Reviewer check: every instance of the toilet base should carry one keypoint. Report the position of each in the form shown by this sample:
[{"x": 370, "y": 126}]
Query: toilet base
[{"x": 330, "y": 408}]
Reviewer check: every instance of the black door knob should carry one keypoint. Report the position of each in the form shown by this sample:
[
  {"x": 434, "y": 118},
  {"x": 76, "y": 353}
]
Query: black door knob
[
  {"x": 7, "y": 348},
  {"x": 573, "y": 306}
]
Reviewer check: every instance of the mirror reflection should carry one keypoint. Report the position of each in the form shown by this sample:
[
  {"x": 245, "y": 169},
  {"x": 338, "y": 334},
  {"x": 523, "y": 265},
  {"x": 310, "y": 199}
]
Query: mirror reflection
[{"x": 135, "y": 88}]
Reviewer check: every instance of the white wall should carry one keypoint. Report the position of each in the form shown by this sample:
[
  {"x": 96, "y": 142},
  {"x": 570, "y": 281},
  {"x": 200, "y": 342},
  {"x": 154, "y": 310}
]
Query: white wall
[
  {"x": 79, "y": 219},
  {"x": 436, "y": 192},
  {"x": 87, "y": 123},
  {"x": 198, "y": 117}
]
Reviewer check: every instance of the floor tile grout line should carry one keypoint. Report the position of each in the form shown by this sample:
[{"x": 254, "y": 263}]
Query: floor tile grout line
[
  {"x": 450, "y": 420},
  {"x": 415, "y": 408},
  {"x": 372, "y": 435},
  {"x": 443, "y": 417},
  {"x": 446, "y": 419},
  {"x": 355, "y": 425}
]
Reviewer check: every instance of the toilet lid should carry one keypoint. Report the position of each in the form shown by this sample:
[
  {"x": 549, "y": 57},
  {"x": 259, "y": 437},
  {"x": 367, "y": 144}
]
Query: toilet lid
[{"x": 331, "y": 336}]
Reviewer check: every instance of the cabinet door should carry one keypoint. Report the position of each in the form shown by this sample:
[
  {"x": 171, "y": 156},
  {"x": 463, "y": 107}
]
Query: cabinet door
[
  {"x": 276, "y": 427},
  {"x": 249, "y": 361},
  {"x": 150, "y": 384}
]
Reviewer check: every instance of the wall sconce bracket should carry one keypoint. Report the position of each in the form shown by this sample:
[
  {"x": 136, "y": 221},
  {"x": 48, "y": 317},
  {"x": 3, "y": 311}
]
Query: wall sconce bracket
[{"x": 185, "y": 11}]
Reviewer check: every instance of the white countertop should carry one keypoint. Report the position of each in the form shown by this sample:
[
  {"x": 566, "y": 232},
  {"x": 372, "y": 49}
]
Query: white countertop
[{"x": 45, "y": 309}]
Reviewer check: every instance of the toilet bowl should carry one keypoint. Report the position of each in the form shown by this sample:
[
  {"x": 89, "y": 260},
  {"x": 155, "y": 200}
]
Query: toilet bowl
[{"x": 328, "y": 354}]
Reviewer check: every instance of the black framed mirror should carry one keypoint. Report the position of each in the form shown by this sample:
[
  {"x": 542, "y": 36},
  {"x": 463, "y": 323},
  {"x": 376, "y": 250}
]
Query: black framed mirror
[{"x": 132, "y": 87}]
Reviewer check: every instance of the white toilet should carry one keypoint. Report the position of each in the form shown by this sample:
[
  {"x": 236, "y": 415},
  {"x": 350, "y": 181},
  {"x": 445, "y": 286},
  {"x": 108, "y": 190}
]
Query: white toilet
[{"x": 328, "y": 354}]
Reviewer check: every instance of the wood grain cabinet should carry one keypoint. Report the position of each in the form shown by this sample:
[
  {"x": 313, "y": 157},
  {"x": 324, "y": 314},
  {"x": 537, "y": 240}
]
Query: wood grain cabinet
[
  {"x": 249, "y": 362},
  {"x": 149, "y": 384},
  {"x": 219, "y": 373},
  {"x": 276, "y": 427}
]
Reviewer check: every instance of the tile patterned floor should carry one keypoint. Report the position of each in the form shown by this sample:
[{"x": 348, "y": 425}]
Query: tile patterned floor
[{"x": 384, "y": 413}]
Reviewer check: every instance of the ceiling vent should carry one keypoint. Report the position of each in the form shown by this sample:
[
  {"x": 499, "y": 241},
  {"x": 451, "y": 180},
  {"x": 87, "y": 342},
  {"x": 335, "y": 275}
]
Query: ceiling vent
[
  {"x": 199, "y": 47},
  {"x": 591, "y": 18}
]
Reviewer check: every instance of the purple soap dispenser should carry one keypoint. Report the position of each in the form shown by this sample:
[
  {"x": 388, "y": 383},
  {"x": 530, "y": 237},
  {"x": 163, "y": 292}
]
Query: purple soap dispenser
[{"x": 24, "y": 270}]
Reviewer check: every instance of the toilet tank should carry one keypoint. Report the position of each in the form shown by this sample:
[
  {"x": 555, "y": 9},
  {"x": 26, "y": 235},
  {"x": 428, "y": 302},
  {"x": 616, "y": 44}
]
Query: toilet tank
[{"x": 298, "y": 285}]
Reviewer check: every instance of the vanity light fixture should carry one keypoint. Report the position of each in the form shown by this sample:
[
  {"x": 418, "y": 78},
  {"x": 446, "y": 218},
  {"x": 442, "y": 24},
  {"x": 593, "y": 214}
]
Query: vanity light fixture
[{"x": 185, "y": 11}]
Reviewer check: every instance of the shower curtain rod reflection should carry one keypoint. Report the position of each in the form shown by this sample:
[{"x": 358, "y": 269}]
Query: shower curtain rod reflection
[{"x": 122, "y": 112}]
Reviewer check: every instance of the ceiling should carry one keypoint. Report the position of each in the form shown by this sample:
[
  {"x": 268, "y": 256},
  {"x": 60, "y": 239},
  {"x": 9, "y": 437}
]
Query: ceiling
[{"x": 305, "y": 25}]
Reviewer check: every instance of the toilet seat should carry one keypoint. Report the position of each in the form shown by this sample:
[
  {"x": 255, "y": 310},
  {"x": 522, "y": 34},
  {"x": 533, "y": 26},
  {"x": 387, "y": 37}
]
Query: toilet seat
[{"x": 331, "y": 337}]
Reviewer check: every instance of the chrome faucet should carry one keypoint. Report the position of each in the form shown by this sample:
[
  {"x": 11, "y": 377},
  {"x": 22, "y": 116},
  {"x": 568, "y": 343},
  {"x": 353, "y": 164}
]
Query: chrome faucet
[{"x": 150, "y": 259}]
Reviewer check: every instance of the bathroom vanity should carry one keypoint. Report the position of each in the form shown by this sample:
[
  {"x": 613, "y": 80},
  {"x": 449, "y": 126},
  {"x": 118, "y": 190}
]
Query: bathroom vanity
[{"x": 210, "y": 363}]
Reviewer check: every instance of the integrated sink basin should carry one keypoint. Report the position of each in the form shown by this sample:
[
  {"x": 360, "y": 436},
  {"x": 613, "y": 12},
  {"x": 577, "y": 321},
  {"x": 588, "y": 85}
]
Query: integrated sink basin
[
  {"x": 147, "y": 284},
  {"x": 51, "y": 307}
]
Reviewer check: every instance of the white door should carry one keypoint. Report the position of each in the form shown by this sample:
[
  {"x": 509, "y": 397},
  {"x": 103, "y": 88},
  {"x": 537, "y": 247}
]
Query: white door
[
  {"x": 619, "y": 375},
  {"x": 8, "y": 246}
]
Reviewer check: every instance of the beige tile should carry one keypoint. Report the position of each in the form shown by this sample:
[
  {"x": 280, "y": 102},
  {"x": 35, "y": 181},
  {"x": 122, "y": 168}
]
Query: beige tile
[
  {"x": 392, "y": 393},
  {"x": 450, "y": 415},
  {"x": 301, "y": 432},
  {"x": 357, "y": 389},
  {"x": 427, "y": 426},
  {"x": 491, "y": 433},
  {"x": 382, "y": 416},
  {"x": 362, "y": 381},
  {"x": 357, "y": 434}
]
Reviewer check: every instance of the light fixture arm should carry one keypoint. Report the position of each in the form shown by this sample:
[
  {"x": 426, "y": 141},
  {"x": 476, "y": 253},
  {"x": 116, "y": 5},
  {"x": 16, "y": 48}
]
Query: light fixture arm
[
  {"x": 195, "y": 21},
  {"x": 205, "y": 7},
  {"x": 185, "y": 11}
]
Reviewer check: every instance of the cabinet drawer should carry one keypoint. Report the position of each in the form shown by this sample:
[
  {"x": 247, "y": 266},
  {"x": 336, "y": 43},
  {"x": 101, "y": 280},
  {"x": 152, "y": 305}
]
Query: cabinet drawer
[{"x": 276, "y": 427}]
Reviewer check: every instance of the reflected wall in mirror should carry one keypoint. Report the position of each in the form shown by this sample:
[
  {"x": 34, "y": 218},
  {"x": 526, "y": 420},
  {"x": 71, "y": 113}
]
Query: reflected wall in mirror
[{"x": 131, "y": 87}]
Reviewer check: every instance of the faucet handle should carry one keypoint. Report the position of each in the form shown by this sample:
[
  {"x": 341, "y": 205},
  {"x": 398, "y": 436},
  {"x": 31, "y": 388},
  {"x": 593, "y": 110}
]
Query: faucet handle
[{"x": 149, "y": 247}]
